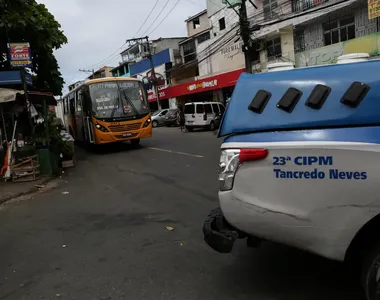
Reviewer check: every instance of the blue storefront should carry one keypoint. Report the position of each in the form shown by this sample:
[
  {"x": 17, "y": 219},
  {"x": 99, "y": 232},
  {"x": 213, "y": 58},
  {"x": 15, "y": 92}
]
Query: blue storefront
[{"x": 159, "y": 59}]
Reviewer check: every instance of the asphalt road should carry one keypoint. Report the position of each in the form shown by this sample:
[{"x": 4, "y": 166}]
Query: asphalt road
[{"x": 106, "y": 237}]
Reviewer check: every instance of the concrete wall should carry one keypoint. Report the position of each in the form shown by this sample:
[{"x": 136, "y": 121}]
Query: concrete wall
[
  {"x": 228, "y": 58},
  {"x": 167, "y": 44},
  {"x": 214, "y": 6},
  {"x": 184, "y": 75},
  {"x": 231, "y": 20},
  {"x": 284, "y": 8},
  {"x": 203, "y": 22}
]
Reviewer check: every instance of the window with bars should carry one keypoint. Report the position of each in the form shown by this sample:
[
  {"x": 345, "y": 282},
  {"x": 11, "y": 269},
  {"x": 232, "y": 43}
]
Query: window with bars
[
  {"x": 203, "y": 37},
  {"x": 274, "y": 48},
  {"x": 269, "y": 7},
  {"x": 189, "y": 51},
  {"x": 339, "y": 30}
]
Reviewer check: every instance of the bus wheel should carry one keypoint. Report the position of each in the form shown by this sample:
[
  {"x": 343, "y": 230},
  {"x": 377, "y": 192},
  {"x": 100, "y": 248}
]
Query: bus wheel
[
  {"x": 135, "y": 142},
  {"x": 371, "y": 273}
]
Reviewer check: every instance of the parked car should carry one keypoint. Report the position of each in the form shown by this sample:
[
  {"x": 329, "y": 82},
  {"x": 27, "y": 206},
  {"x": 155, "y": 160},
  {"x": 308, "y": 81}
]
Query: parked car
[
  {"x": 158, "y": 117},
  {"x": 171, "y": 118},
  {"x": 203, "y": 115}
]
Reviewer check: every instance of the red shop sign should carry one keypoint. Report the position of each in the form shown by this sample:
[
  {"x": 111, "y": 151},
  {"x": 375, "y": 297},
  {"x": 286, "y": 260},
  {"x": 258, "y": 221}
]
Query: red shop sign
[{"x": 198, "y": 86}]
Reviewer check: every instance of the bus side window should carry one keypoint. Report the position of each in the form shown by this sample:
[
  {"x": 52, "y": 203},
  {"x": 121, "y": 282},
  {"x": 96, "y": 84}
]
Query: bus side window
[
  {"x": 72, "y": 105},
  {"x": 67, "y": 106},
  {"x": 86, "y": 101},
  {"x": 78, "y": 109},
  {"x": 64, "y": 106}
]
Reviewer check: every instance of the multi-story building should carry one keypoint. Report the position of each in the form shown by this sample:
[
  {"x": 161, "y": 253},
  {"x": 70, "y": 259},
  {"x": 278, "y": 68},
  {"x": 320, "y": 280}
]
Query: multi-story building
[
  {"x": 136, "y": 63},
  {"x": 348, "y": 29},
  {"x": 308, "y": 33},
  {"x": 205, "y": 74},
  {"x": 102, "y": 72},
  {"x": 74, "y": 85}
]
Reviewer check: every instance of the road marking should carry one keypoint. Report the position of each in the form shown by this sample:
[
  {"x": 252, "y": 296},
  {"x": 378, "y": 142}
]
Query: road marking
[{"x": 176, "y": 152}]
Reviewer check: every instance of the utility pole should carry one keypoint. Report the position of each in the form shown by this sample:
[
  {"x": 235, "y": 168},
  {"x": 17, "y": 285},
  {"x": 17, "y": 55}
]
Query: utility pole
[
  {"x": 89, "y": 71},
  {"x": 28, "y": 104},
  {"x": 246, "y": 36},
  {"x": 245, "y": 31},
  {"x": 154, "y": 79}
]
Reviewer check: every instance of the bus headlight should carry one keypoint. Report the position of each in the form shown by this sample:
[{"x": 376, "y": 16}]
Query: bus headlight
[
  {"x": 101, "y": 128},
  {"x": 147, "y": 122}
]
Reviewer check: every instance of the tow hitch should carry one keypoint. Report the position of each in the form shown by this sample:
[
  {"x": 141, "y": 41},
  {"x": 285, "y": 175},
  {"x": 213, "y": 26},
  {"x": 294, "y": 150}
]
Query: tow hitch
[{"x": 218, "y": 234}]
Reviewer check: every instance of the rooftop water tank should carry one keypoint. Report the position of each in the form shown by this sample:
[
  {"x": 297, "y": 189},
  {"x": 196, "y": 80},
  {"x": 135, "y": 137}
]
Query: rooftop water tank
[
  {"x": 352, "y": 58},
  {"x": 280, "y": 66}
]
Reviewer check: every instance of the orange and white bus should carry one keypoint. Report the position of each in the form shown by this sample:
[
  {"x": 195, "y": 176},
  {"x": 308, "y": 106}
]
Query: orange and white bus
[{"x": 108, "y": 110}]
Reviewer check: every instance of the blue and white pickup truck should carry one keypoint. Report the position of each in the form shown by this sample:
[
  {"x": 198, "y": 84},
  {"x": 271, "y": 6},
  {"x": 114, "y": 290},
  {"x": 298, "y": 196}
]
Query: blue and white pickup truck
[{"x": 300, "y": 165}]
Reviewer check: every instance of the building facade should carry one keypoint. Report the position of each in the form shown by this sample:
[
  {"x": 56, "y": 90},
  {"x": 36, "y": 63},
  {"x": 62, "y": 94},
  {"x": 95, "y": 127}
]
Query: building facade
[
  {"x": 136, "y": 63},
  {"x": 209, "y": 69},
  {"x": 101, "y": 73},
  {"x": 313, "y": 33}
]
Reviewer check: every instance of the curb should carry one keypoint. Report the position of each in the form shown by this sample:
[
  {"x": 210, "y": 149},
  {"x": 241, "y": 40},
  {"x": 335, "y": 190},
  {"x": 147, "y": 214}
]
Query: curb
[{"x": 29, "y": 191}]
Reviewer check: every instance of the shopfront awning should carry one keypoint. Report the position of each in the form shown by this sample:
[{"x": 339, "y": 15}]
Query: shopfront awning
[
  {"x": 198, "y": 86},
  {"x": 13, "y": 78},
  {"x": 9, "y": 95}
]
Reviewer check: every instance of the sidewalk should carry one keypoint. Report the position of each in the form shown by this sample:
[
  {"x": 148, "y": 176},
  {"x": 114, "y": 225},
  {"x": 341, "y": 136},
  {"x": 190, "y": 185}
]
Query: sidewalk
[{"x": 10, "y": 190}]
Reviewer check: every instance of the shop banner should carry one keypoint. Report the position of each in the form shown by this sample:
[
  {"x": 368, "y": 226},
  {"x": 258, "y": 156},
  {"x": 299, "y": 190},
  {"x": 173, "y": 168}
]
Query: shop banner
[
  {"x": 203, "y": 85},
  {"x": 20, "y": 55}
]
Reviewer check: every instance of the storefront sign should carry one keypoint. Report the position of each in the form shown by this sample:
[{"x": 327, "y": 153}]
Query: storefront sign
[
  {"x": 20, "y": 55},
  {"x": 320, "y": 56},
  {"x": 329, "y": 54},
  {"x": 152, "y": 96},
  {"x": 230, "y": 51},
  {"x": 202, "y": 85},
  {"x": 199, "y": 86},
  {"x": 373, "y": 9}
]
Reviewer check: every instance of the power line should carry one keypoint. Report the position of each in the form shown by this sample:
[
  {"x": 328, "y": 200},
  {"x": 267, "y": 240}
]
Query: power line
[
  {"x": 196, "y": 3},
  {"x": 166, "y": 4},
  {"x": 210, "y": 52},
  {"x": 142, "y": 25},
  {"x": 165, "y": 17},
  {"x": 306, "y": 12},
  {"x": 112, "y": 56}
]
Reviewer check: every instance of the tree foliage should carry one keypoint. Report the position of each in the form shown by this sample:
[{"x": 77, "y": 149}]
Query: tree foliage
[{"x": 28, "y": 21}]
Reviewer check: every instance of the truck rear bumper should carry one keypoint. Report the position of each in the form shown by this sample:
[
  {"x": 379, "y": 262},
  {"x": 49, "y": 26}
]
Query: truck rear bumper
[{"x": 218, "y": 233}]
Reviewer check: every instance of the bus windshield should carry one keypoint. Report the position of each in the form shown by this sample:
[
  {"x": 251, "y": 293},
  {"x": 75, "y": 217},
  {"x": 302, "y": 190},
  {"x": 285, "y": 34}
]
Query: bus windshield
[{"x": 118, "y": 99}]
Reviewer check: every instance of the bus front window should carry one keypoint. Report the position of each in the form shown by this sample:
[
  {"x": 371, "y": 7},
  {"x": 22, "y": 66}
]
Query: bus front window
[
  {"x": 122, "y": 99},
  {"x": 133, "y": 96},
  {"x": 105, "y": 100}
]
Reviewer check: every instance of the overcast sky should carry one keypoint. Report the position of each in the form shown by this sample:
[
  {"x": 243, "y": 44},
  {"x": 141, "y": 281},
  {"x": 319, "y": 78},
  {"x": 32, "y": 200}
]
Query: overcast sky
[{"x": 96, "y": 29}]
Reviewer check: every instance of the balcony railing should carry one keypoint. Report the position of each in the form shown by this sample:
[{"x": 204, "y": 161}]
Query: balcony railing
[{"x": 302, "y": 5}]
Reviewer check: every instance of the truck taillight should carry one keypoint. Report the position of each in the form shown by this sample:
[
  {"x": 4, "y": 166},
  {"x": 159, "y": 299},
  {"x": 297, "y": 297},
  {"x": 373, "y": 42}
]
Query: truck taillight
[{"x": 231, "y": 159}]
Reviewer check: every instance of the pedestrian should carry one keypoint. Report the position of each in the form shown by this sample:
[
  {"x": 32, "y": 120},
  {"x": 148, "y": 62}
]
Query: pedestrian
[{"x": 181, "y": 117}]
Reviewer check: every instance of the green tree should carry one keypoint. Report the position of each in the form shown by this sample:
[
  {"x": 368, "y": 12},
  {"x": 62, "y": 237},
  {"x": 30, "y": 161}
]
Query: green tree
[{"x": 26, "y": 20}]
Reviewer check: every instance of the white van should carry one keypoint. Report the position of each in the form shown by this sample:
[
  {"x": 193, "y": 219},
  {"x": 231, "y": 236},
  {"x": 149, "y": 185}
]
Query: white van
[{"x": 203, "y": 115}]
